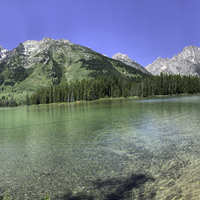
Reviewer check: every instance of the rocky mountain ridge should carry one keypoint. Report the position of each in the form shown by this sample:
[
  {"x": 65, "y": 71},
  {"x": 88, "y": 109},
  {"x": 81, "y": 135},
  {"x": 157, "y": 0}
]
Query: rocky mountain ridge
[
  {"x": 185, "y": 63},
  {"x": 128, "y": 61},
  {"x": 35, "y": 64},
  {"x": 29, "y": 50}
]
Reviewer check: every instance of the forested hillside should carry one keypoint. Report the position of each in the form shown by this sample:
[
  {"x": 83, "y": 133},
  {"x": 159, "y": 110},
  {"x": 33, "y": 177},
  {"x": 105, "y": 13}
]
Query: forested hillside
[
  {"x": 112, "y": 87},
  {"x": 36, "y": 64}
]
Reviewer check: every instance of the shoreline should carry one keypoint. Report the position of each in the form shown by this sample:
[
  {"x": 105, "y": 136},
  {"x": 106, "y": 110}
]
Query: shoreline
[{"x": 103, "y": 99}]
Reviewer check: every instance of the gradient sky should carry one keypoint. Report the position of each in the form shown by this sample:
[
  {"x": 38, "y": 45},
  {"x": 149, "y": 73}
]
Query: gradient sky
[{"x": 142, "y": 29}]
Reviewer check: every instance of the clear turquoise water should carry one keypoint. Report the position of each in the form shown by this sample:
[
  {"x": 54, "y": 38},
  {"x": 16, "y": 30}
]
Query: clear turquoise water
[{"x": 110, "y": 149}]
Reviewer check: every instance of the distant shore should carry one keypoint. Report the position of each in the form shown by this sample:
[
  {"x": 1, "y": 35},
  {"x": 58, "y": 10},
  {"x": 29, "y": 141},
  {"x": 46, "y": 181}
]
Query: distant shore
[{"x": 107, "y": 98}]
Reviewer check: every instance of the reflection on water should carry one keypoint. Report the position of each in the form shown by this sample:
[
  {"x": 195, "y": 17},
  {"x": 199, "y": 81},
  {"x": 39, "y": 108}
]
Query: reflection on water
[{"x": 112, "y": 149}]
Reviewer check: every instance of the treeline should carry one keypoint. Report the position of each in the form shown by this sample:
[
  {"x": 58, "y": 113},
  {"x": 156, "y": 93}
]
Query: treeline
[
  {"x": 7, "y": 103},
  {"x": 112, "y": 87}
]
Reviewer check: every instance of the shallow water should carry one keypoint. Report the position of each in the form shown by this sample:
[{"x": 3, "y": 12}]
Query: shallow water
[{"x": 111, "y": 149}]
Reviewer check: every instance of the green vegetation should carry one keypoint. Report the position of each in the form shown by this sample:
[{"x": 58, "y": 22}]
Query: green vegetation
[
  {"x": 114, "y": 87},
  {"x": 19, "y": 74},
  {"x": 103, "y": 66},
  {"x": 7, "y": 103},
  {"x": 106, "y": 86}
]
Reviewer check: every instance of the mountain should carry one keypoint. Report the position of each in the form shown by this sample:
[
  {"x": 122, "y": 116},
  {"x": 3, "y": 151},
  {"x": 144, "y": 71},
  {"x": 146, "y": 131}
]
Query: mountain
[
  {"x": 3, "y": 53},
  {"x": 185, "y": 63},
  {"x": 35, "y": 64},
  {"x": 125, "y": 59}
]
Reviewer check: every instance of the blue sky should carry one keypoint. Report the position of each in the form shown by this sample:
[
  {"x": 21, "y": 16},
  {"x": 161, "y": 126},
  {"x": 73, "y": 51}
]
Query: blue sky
[{"x": 142, "y": 29}]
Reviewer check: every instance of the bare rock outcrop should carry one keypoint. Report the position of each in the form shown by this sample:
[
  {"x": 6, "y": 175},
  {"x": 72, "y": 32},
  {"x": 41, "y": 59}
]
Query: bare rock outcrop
[
  {"x": 185, "y": 63},
  {"x": 3, "y": 53}
]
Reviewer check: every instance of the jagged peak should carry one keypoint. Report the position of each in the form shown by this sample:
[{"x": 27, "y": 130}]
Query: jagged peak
[
  {"x": 191, "y": 47},
  {"x": 188, "y": 51},
  {"x": 183, "y": 63},
  {"x": 119, "y": 54},
  {"x": 1, "y": 48},
  {"x": 30, "y": 42},
  {"x": 122, "y": 56},
  {"x": 46, "y": 39},
  {"x": 20, "y": 44}
]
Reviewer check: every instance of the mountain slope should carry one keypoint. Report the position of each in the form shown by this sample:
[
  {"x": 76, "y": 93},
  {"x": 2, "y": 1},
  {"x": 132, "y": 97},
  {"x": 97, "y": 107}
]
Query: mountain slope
[
  {"x": 35, "y": 64},
  {"x": 185, "y": 63},
  {"x": 125, "y": 59}
]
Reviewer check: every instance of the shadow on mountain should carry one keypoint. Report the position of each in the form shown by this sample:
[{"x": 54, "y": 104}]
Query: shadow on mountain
[{"x": 115, "y": 188}]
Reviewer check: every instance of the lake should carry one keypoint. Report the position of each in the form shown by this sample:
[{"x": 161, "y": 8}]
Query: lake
[{"x": 145, "y": 148}]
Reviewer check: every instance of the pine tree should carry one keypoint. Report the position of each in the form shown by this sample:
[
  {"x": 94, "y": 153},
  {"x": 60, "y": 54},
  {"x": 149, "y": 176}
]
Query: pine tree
[
  {"x": 51, "y": 94},
  {"x": 126, "y": 93},
  {"x": 89, "y": 94},
  {"x": 27, "y": 100}
]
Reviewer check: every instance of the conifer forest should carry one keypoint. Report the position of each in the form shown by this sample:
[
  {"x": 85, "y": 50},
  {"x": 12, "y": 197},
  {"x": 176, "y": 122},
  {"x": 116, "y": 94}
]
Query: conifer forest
[{"x": 112, "y": 87}]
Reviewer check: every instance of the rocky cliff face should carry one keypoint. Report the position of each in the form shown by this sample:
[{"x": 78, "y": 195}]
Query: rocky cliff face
[
  {"x": 125, "y": 59},
  {"x": 3, "y": 53},
  {"x": 30, "y": 52},
  {"x": 185, "y": 63}
]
